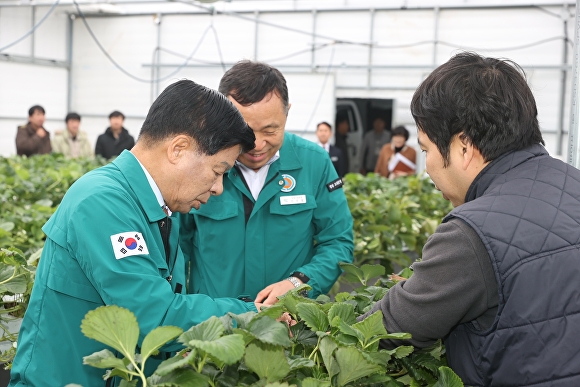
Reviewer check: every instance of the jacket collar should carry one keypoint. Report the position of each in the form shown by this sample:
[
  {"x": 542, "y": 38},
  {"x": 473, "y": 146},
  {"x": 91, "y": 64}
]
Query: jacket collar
[
  {"x": 288, "y": 160},
  {"x": 500, "y": 166},
  {"x": 123, "y": 133},
  {"x": 133, "y": 173}
]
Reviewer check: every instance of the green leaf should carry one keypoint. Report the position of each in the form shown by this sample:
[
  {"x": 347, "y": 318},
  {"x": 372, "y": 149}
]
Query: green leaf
[
  {"x": 402, "y": 351},
  {"x": 396, "y": 336},
  {"x": 381, "y": 357},
  {"x": 311, "y": 382},
  {"x": 7, "y": 226},
  {"x": 350, "y": 330},
  {"x": 244, "y": 319},
  {"x": 372, "y": 271},
  {"x": 302, "y": 335},
  {"x": 327, "y": 348},
  {"x": 268, "y": 361},
  {"x": 174, "y": 362},
  {"x": 157, "y": 338},
  {"x": 227, "y": 349},
  {"x": 353, "y": 365},
  {"x": 104, "y": 359},
  {"x": 300, "y": 362},
  {"x": 273, "y": 311},
  {"x": 113, "y": 326},
  {"x": 290, "y": 300},
  {"x": 344, "y": 311},
  {"x": 126, "y": 383},
  {"x": 313, "y": 316},
  {"x": 371, "y": 326},
  {"x": 182, "y": 377},
  {"x": 208, "y": 330},
  {"x": 351, "y": 271},
  {"x": 13, "y": 280},
  {"x": 448, "y": 378},
  {"x": 270, "y": 331},
  {"x": 343, "y": 296},
  {"x": 246, "y": 335}
]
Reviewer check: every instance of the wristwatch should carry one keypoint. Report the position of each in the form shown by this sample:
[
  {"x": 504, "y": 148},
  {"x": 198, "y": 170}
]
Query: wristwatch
[
  {"x": 297, "y": 284},
  {"x": 294, "y": 281}
]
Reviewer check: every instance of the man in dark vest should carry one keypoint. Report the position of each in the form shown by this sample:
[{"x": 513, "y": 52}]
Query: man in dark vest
[{"x": 499, "y": 277}]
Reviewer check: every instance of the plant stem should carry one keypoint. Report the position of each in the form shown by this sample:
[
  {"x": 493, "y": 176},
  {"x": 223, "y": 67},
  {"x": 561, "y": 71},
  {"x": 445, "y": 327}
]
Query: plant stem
[
  {"x": 201, "y": 363},
  {"x": 315, "y": 349}
]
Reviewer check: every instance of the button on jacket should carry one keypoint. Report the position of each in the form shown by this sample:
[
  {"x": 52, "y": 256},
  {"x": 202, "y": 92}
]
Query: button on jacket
[
  {"x": 82, "y": 268},
  {"x": 306, "y": 229}
]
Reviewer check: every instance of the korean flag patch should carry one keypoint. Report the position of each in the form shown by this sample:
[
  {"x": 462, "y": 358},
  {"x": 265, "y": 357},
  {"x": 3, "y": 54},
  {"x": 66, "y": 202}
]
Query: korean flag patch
[{"x": 129, "y": 243}]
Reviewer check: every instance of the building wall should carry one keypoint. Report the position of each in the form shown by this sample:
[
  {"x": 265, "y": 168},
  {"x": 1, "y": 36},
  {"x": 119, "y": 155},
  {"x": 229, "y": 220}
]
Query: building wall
[{"x": 325, "y": 54}]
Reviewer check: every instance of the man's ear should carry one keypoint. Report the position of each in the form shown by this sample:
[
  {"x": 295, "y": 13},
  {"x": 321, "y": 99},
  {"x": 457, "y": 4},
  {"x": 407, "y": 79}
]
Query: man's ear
[
  {"x": 468, "y": 151},
  {"x": 177, "y": 146}
]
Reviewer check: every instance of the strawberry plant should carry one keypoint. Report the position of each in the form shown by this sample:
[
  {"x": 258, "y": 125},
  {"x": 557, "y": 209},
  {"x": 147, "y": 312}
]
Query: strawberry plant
[
  {"x": 16, "y": 279},
  {"x": 30, "y": 190},
  {"x": 392, "y": 218},
  {"x": 325, "y": 347}
]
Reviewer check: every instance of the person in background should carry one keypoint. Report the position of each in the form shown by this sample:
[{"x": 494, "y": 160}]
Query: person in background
[
  {"x": 397, "y": 158},
  {"x": 72, "y": 142},
  {"x": 341, "y": 141},
  {"x": 498, "y": 280},
  {"x": 32, "y": 138},
  {"x": 115, "y": 139},
  {"x": 283, "y": 213},
  {"x": 110, "y": 242},
  {"x": 324, "y": 132},
  {"x": 372, "y": 143}
]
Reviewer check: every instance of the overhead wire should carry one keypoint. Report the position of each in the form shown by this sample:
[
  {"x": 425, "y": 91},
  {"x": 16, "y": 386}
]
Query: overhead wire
[
  {"x": 328, "y": 69},
  {"x": 125, "y": 71},
  {"x": 213, "y": 11},
  {"x": 33, "y": 28}
]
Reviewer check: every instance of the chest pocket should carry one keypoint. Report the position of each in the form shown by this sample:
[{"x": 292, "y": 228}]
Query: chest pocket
[
  {"x": 290, "y": 209},
  {"x": 217, "y": 210}
]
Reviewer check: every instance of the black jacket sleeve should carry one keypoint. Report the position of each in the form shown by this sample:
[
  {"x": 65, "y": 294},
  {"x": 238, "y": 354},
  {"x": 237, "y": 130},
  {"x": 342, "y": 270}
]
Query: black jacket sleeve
[{"x": 453, "y": 284}]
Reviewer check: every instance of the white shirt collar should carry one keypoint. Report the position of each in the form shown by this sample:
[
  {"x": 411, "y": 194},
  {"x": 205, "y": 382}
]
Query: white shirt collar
[
  {"x": 325, "y": 146},
  {"x": 154, "y": 187},
  {"x": 256, "y": 179}
]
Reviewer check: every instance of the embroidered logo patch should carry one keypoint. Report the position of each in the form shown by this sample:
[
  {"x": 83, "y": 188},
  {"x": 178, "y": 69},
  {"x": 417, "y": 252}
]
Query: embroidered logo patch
[
  {"x": 289, "y": 183},
  {"x": 129, "y": 243},
  {"x": 335, "y": 184}
]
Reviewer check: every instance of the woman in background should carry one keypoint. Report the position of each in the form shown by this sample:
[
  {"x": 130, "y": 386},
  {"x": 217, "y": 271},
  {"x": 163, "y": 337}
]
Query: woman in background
[{"x": 396, "y": 158}]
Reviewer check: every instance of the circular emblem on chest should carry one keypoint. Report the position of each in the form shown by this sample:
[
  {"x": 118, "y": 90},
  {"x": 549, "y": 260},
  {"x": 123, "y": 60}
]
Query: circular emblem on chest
[{"x": 289, "y": 183}]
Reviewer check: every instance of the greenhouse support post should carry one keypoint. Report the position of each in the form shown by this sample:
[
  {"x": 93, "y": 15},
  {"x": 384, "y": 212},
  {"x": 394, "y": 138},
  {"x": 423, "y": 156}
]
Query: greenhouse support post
[{"x": 574, "y": 132}]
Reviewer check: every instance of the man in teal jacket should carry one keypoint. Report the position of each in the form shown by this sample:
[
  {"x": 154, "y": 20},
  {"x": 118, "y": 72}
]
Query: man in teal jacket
[
  {"x": 111, "y": 241},
  {"x": 283, "y": 219}
]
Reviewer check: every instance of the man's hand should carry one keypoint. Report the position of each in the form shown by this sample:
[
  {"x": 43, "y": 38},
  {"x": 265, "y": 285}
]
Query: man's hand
[
  {"x": 268, "y": 295},
  {"x": 40, "y": 132},
  {"x": 258, "y": 305}
]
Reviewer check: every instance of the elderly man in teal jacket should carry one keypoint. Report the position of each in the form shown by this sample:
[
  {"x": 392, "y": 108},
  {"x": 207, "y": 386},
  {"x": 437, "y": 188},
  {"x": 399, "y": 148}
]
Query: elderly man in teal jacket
[
  {"x": 283, "y": 219},
  {"x": 111, "y": 241}
]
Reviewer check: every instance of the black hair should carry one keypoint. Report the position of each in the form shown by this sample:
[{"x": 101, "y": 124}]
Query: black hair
[
  {"x": 249, "y": 82},
  {"x": 117, "y": 113},
  {"x": 72, "y": 116},
  {"x": 400, "y": 131},
  {"x": 207, "y": 116},
  {"x": 324, "y": 123},
  {"x": 34, "y": 109},
  {"x": 487, "y": 100}
]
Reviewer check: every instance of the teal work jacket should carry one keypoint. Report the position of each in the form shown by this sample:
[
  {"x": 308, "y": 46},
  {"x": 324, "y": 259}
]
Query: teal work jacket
[
  {"x": 79, "y": 271},
  {"x": 298, "y": 223}
]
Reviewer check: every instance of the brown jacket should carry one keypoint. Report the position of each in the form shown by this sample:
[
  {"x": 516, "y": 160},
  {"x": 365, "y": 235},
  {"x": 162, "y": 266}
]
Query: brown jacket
[
  {"x": 387, "y": 152},
  {"x": 28, "y": 143}
]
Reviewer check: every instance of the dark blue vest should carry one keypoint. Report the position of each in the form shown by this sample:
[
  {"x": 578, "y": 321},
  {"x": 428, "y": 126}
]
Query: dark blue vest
[{"x": 525, "y": 206}]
